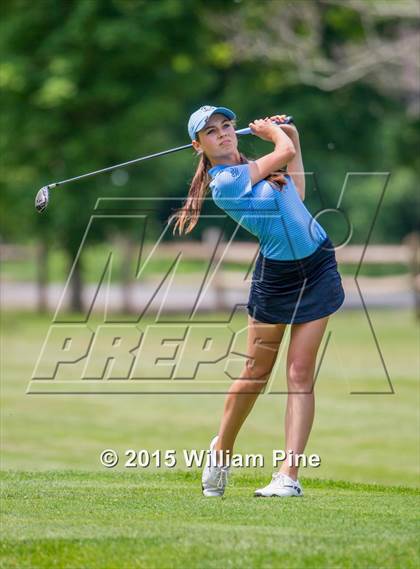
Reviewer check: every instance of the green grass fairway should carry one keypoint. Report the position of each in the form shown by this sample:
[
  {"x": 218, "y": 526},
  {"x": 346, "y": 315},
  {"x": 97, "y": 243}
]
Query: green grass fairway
[
  {"x": 360, "y": 438},
  {"x": 62, "y": 509},
  {"x": 160, "y": 520}
]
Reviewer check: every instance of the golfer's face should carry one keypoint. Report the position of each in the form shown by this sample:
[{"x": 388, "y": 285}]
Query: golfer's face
[{"x": 218, "y": 137}]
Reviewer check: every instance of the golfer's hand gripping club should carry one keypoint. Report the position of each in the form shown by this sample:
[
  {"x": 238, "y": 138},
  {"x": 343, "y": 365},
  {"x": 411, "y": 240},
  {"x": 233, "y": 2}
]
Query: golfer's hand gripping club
[
  {"x": 287, "y": 120},
  {"x": 42, "y": 198}
]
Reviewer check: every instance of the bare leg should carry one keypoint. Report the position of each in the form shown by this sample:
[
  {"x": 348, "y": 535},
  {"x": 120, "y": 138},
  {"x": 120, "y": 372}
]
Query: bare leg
[
  {"x": 263, "y": 344},
  {"x": 301, "y": 360}
]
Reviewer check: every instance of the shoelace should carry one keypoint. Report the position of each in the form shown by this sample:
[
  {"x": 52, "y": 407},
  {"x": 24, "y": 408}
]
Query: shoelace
[
  {"x": 282, "y": 478},
  {"x": 277, "y": 476},
  {"x": 223, "y": 478}
]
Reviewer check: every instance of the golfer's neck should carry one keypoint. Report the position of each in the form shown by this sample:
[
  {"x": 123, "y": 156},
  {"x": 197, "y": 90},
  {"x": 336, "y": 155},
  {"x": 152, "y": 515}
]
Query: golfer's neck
[{"x": 233, "y": 158}]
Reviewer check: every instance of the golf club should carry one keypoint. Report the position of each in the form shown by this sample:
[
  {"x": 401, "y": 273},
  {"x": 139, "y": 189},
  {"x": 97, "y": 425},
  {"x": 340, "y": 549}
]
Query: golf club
[{"x": 43, "y": 196}]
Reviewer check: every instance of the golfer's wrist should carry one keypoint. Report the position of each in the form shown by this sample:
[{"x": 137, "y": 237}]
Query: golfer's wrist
[
  {"x": 284, "y": 144},
  {"x": 291, "y": 133},
  {"x": 295, "y": 140},
  {"x": 294, "y": 135}
]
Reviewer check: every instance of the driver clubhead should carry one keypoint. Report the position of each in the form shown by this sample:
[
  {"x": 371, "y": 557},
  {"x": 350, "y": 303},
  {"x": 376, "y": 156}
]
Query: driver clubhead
[{"x": 42, "y": 199}]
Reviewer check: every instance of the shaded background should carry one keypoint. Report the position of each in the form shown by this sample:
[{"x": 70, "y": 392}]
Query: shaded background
[{"x": 91, "y": 83}]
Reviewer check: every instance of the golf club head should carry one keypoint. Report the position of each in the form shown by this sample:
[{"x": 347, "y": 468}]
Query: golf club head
[{"x": 42, "y": 199}]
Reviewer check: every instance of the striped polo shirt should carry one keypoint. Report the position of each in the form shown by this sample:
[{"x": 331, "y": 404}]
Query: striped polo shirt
[{"x": 277, "y": 217}]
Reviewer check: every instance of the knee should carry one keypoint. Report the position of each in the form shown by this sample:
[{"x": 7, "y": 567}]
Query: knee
[
  {"x": 256, "y": 374},
  {"x": 300, "y": 375},
  {"x": 255, "y": 369}
]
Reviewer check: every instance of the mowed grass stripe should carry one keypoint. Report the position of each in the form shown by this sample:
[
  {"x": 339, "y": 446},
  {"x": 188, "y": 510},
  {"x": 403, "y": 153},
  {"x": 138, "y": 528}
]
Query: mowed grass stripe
[
  {"x": 360, "y": 438},
  {"x": 159, "y": 519}
]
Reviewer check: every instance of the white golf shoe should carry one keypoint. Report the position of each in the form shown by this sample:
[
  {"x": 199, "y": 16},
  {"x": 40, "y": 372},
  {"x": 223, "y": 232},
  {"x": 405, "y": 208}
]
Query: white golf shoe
[
  {"x": 281, "y": 486},
  {"x": 214, "y": 478}
]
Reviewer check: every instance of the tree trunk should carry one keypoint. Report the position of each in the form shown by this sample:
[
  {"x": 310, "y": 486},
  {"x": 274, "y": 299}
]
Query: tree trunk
[
  {"x": 42, "y": 276},
  {"x": 76, "y": 289},
  {"x": 213, "y": 240},
  {"x": 127, "y": 247}
]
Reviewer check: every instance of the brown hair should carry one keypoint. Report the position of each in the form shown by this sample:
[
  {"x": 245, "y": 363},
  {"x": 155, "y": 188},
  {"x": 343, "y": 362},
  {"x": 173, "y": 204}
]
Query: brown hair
[{"x": 187, "y": 216}]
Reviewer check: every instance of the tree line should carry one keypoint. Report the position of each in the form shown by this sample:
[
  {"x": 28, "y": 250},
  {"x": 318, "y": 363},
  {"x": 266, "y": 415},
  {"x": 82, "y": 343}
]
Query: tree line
[{"x": 91, "y": 83}]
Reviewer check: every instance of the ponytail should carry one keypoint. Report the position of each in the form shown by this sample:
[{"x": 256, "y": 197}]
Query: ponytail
[{"x": 187, "y": 216}]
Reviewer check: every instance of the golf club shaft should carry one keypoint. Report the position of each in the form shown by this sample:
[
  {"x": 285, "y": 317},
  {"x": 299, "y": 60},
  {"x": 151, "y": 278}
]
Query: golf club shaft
[
  {"x": 156, "y": 155},
  {"x": 109, "y": 168}
]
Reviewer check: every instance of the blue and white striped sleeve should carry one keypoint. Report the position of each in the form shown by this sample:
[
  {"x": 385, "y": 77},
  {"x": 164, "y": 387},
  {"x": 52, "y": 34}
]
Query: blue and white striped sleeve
[{"x": 232, "y": 191}]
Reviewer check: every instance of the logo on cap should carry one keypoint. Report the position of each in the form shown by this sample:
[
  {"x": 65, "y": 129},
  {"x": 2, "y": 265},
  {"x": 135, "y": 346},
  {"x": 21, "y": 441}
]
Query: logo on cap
[{"x": 200, "y": 117}]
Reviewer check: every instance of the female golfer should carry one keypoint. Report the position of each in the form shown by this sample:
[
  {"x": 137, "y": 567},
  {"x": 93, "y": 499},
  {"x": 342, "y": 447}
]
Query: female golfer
[{"x": 295, "y": 280}]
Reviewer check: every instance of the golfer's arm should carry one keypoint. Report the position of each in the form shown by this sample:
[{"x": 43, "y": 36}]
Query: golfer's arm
[
  {"x": 296, "y": 169},
  {"x": 283, "y": 153}
]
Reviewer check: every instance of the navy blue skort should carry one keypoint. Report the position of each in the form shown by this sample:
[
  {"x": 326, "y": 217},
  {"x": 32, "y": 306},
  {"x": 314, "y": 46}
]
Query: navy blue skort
[{"x": 301, "y": 290}]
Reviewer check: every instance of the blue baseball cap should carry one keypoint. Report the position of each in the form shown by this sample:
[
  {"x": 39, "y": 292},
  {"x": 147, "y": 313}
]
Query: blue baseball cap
[{"x": 199, "y": 119}]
